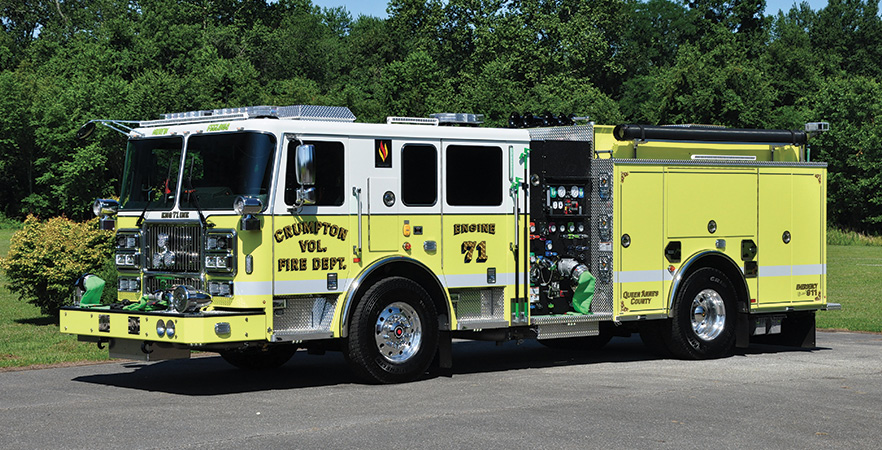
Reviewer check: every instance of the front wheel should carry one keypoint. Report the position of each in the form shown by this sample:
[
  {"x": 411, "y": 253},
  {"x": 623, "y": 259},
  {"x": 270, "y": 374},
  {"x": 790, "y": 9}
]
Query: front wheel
[
  {"x": 703, "y": 324},
  {"x": 393, "y": 334}
]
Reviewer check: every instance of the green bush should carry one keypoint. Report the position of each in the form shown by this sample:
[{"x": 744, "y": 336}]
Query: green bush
[
  {"x": 836, "y": 236},
  {"x": 46, "y": 258}
]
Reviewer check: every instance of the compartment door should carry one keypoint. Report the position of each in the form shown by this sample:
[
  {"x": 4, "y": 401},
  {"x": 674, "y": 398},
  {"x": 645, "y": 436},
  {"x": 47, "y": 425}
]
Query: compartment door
[
  {"x": 807, "y": 238},
  {"x": 383, "y": 222},
  {"x": 641, "y": 270}
]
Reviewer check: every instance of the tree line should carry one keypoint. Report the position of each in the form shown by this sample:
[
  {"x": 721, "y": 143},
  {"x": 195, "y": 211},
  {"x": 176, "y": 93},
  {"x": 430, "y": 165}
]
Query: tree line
[{"x": 723, "y": 62}]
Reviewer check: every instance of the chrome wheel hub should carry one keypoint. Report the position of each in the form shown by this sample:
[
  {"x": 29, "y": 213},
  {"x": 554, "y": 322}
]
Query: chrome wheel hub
[
  {"x": 398, "y": 332},
  {"x": 708, "y": 315}
]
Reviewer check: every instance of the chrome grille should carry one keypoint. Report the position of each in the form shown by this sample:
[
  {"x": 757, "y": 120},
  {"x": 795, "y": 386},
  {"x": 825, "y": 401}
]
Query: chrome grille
[{"x": 174, "y": 248}]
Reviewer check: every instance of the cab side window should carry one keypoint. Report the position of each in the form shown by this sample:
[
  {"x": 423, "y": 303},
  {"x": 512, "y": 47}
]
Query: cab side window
[
  {"x": 474, "y": 175},
  {"x": 329, "y": 166},
  {"x": 419, "y": 175}
]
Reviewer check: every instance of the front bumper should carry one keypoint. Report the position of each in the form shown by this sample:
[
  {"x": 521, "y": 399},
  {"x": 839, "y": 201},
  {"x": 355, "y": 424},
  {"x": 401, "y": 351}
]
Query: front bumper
[{"x": 192, "y": 329}]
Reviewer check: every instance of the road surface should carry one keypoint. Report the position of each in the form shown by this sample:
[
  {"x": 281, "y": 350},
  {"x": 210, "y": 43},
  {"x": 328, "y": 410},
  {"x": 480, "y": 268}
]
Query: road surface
[{"x": 507, "y": 396}]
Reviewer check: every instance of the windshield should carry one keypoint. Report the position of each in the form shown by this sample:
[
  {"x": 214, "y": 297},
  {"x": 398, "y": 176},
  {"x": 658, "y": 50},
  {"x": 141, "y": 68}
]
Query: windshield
[
  {"x": 151, "y": 174},
  {"x": 220, "y": 167}
]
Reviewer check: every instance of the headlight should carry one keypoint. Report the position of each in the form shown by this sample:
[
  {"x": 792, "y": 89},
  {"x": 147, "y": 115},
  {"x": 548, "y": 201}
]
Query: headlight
[
  {"x": 128, "y": 241},
  {"x": 220, "y": 288},
  {"x": 574, "y": 192},
  {"x": 160, "y": 328},
  {"x": 128, "y": 260},
  {"x": 221, "y": 262},
  {"x": 170, "y": 328},
  {"x": 561, "y": 192},
  {"x": 219, "y": 242},
  {"x": 187, "y": 298},
  {"x": 129, "y": 284}
]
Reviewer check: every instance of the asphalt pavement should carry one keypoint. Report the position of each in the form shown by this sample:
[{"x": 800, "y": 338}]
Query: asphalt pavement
[{"x": 505, "y": 396}]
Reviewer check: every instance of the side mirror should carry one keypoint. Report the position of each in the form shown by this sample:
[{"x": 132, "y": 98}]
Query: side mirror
[
  {"x": 305, "y": 161},
  {"x": 105, "y": 209},
  {"x": 85, "y": 131}
]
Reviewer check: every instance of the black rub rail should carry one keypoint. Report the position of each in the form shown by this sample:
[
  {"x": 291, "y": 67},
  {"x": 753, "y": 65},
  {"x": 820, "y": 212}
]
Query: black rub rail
[{"x": 628, "y": 132}]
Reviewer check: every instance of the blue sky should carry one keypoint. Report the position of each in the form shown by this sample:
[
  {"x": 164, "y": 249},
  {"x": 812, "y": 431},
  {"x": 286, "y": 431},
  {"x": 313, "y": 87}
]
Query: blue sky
[{"x": 377, "y": 8}]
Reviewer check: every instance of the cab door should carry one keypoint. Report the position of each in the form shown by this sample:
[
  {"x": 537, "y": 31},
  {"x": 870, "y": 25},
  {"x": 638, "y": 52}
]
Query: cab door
[
  {"x": 420, "y": 207},
  {"x": 478, "y": 225},
  {"x": 312, "y": 244}
]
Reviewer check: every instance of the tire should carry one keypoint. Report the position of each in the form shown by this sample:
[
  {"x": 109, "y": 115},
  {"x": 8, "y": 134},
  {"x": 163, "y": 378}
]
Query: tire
[
  {"x": 254, "y": 358},
  {"x": 703, "y": 324},
  {"x": 393, "y": 333}
]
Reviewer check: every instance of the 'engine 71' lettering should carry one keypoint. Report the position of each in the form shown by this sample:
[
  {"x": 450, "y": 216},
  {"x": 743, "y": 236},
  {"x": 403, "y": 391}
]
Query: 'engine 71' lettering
[{"x": 468, "y": 248}]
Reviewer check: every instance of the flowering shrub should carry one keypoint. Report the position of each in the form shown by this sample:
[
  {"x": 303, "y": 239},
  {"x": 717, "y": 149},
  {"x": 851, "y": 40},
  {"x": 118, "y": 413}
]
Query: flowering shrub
[{"x": 46, "y": 258}]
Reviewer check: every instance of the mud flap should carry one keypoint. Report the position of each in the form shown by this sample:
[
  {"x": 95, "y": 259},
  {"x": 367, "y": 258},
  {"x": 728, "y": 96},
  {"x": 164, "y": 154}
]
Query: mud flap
[
  {"x": 742, "y": 331},
  {"x": 798, "y": 330},
  {"x": 445, "y": 352}
]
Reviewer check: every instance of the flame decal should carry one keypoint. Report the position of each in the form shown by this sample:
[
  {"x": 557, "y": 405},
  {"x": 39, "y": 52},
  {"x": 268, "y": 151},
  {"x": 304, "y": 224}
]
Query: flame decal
[{"x": 384, "y": 151}]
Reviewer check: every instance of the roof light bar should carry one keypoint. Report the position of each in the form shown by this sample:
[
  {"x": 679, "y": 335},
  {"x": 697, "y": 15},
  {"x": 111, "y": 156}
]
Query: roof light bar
[
  {"x": 458, "y": 118},
  {"x": 294, "y": 112}
]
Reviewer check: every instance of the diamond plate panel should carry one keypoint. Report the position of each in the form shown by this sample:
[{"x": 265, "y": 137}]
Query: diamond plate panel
[
  {"x": 573, "y": 133},
  {"x": 305, "y": 315},
  {"x": 479, "y": 305},
  {"x": 602, "y": 211}
]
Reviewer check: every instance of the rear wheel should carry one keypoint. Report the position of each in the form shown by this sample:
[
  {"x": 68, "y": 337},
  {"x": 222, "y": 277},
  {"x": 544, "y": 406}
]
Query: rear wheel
[
  {"x": 703, "y": 325},
  {"x": 393, "y": 334},
  {"x": 254, "y": 358}
]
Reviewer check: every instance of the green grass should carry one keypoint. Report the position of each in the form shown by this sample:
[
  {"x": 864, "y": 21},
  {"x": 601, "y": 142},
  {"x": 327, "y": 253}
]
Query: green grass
[
  {"x": 27, "y": 337},
  {"x": 854, "y": 280}
]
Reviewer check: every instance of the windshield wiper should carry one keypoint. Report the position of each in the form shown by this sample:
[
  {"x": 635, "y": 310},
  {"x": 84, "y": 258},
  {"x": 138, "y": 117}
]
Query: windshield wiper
[
  {"x": 164, "y": 192},
  {"x": 144, "y": 211},
  {"x": 195, "y": 197}
]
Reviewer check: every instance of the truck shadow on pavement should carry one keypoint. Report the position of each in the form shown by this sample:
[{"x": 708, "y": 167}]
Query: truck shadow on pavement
[{"x": 211, "y": 375}]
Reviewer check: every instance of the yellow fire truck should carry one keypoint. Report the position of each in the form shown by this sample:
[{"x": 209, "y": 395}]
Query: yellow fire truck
[{"x": 257, "y": 231}]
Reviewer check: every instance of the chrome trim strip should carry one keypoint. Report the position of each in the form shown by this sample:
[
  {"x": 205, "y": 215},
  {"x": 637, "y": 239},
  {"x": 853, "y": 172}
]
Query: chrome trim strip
[{"x": 641, "y": 317}]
